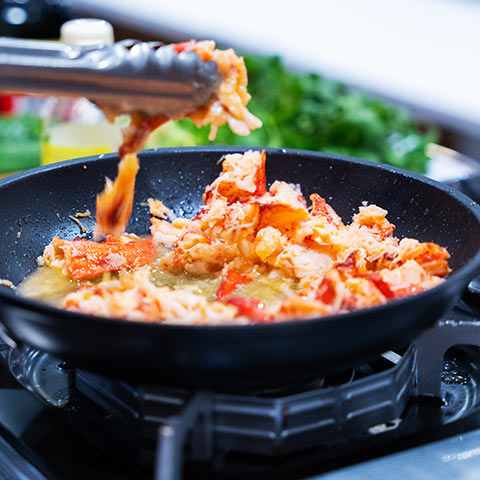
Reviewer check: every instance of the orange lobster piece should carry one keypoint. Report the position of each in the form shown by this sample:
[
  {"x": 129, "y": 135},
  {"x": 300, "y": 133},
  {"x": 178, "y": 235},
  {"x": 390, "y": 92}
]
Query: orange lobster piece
[
  {"x": 231, "y": 281},
  {"x": 240, "y": 182},
  {"x": 320, "y": 208},
  {"x": 433, "y": 258},
  {"x": 87, "y": 259},
  {"x": 326, "y": 291},
  {"x": 253, "y": 309}
]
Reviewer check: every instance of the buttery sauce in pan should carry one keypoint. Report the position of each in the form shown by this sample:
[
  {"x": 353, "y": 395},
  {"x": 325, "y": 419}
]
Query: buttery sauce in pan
[
  {"x": 51, "y": 286},
  {"x": 47, "y": 284}
]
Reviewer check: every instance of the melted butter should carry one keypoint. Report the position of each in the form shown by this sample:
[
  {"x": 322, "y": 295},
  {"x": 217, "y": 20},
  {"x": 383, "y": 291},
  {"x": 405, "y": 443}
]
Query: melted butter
[
  {"x": 51, "y": 286},
  {"x": 267, "y": 289},
  {"x": 263, "y": 287},
  {"x": 204, "y": 285},
  {"x": 47, "y": 284}
]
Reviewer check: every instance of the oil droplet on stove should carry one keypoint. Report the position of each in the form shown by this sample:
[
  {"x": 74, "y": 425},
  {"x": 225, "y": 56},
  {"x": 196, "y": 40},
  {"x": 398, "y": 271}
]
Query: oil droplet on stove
[
  {"x": 65, "y": 367},
  {"x": 449, "y": 365},
  {"x": 454, "y": 378}
]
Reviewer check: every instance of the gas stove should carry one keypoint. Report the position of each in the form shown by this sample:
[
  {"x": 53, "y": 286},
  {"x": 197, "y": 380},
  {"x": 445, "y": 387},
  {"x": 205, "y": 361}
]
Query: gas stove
[
  {"x": 61, "y": 422},
  {"x": 410, "y": 413}
]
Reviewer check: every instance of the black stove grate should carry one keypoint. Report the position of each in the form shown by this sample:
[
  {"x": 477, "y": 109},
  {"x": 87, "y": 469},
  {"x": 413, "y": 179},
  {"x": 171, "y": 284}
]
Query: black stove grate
[
  {"x": 281, "y": 425},
  {"x": 148, "y": 422}
]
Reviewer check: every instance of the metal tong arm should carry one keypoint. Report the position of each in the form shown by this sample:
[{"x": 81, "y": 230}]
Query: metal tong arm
[{"x": 132, "y": 76}]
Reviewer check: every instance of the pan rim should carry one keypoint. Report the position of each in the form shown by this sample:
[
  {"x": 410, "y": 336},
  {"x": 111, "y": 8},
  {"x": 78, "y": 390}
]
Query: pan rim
[{"x": 468, "y": 271}]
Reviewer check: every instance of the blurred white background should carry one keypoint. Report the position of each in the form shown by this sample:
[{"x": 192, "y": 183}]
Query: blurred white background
[{"x": 422, "y": 53}]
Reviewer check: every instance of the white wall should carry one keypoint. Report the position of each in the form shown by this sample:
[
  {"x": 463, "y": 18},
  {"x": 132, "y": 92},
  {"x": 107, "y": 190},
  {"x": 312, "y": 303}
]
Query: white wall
[{"x": 422, "y": 52}]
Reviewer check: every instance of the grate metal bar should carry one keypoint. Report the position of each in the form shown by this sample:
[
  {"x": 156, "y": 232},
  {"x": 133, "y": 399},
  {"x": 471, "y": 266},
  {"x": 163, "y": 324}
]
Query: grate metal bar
[
  {"x": 172, "y": 436},
  {"x": 457, "y": 328}
]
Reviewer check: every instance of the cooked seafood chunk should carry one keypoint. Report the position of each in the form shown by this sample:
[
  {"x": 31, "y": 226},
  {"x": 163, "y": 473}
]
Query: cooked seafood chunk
[{"x": 250, "y": 255}]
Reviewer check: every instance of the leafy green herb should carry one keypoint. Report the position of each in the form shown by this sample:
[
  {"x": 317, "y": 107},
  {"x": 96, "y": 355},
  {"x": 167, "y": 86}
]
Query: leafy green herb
[{"x": 19, "y": 142}]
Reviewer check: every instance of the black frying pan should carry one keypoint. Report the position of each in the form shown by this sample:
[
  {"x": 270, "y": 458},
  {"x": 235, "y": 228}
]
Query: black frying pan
[{"x": 38, "y": 203}]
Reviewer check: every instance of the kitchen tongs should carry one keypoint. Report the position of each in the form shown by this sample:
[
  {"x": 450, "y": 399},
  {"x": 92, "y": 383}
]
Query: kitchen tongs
[{"x": 125, "y": 77}]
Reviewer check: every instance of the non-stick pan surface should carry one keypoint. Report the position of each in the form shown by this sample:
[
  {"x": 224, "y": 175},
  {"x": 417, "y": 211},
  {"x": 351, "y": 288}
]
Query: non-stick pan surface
[{"x": 35, "y": 206}]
